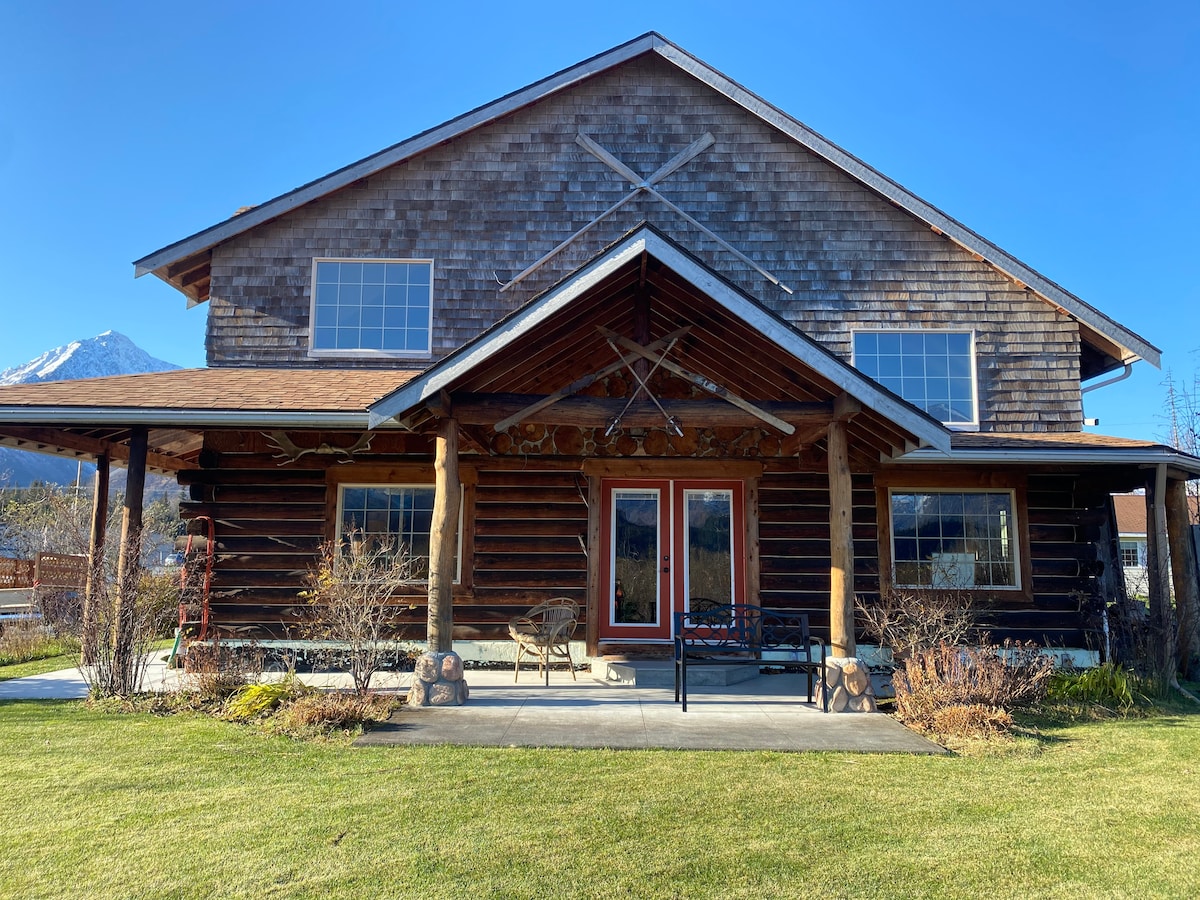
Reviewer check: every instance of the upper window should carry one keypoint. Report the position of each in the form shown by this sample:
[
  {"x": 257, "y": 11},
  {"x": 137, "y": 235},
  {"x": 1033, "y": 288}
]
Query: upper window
[
  {"x": 933, "y": 370},
  {"x": 376, "y": 306},
  {"x": 954, "y": 539},
  {"x": 387, "y": 517}
]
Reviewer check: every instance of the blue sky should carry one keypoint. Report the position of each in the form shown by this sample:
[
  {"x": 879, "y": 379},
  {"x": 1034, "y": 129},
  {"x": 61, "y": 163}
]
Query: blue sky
[{"x": 1065, "y": 132}]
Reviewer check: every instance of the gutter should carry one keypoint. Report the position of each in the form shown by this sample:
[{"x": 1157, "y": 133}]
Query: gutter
[
  {"x": 182, "y": 418},
  {"x": 1148, "y": 456}
]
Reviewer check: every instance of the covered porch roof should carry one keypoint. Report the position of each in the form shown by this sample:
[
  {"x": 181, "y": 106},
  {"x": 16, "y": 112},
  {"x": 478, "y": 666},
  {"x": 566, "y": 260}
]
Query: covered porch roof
[
  {"x": 92, "y": 417},
  {"x": 646, "y": 299}
]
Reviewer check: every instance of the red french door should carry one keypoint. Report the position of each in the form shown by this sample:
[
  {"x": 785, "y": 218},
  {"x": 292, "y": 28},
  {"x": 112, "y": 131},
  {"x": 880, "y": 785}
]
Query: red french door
[{"x": 665, "y": 542}]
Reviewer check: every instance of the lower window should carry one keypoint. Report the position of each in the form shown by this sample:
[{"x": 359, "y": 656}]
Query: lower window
[
  {"x": 393, "y": 518},
  {"x": 954, "y": 539}
]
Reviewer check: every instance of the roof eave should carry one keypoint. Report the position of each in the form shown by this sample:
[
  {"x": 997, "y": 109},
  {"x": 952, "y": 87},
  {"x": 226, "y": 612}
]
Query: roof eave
[
  {"x": 188, "y": 419},
  {"x": 1139, "y": 456}
]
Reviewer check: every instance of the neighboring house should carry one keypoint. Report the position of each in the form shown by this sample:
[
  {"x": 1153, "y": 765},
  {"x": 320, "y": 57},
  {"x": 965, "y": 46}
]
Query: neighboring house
[
  {"x": 634, "y": 336},
  {"x": 1130, "y": 511}
]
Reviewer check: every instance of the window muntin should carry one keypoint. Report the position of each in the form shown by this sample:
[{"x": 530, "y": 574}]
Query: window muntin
[
  {"x": 380, "y": 306},
  {"x": 933, "y": 370},
  {"x": 954, "y": 539},
  {"x": 389, "y": 516}
]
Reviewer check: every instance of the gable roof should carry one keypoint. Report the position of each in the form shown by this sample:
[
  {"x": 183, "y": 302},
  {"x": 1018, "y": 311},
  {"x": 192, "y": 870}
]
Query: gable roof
[
  {"x": 184, "y": 264},
  {"x": 515, "y": 329}
]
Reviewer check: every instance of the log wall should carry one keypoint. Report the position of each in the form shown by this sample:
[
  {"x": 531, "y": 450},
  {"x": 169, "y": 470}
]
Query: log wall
[{"x": 525, "y": 531}]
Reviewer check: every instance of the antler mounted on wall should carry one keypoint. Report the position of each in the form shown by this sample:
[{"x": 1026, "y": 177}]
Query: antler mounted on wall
[{"x": 289, "y": 452}]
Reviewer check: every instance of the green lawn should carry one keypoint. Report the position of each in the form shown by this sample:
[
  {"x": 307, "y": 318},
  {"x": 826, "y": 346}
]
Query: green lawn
[
  {"x": 106, "y": 805},
  {"x": 39, "y": 666}
]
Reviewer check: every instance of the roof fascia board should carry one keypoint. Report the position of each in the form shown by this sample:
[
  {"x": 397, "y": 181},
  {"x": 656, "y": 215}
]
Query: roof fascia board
[
  {"x": 396, "y": 153},
  {"x": 1147, "y": 456},
  {"x": 645, "y": 240},
  {"x": 908, "y": 201},
  {"x": 67, "y": 416}
]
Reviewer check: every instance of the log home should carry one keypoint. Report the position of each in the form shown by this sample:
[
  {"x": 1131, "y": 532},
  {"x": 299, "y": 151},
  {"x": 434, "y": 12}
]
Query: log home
[{"x": 633, "y": 336}]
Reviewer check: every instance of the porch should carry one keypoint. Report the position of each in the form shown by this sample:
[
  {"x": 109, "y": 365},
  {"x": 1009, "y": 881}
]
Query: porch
[{"x": 762, "y": 713}]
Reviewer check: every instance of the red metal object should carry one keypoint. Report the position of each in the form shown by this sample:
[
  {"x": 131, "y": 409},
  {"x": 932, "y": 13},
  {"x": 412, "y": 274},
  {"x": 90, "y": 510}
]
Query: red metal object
[{"x": 209, "y": 550}]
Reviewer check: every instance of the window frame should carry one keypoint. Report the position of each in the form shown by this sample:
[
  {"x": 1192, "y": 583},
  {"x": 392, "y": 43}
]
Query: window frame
[
  {"x": 973, "y": 425},
  {"x": 339, "y": 492},
  {"x": 930, "y": 482},
  {"x": 315, "y": 352}
]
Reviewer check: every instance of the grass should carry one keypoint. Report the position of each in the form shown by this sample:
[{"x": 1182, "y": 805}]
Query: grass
[
  {"x": 39, "y": 666},
  {"x": 138, "y": 806}
]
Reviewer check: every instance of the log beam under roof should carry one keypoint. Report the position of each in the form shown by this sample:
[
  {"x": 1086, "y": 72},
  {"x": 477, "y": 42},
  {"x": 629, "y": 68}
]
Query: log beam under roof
[{"x": 592, "y": 412}]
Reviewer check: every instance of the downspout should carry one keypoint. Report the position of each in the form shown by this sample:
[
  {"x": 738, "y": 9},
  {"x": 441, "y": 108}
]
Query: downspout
[{"x": 1092, "y": 387}]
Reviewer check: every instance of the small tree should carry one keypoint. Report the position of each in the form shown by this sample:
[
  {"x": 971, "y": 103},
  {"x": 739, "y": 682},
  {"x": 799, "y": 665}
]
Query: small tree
[{"x": 350, "y": 598}]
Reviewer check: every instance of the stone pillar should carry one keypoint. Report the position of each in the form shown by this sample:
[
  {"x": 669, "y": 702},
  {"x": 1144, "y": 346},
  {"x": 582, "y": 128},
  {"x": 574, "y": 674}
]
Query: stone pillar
[
  {"x": 847, "y": 682},
  {"x": 438, "y": 681}
]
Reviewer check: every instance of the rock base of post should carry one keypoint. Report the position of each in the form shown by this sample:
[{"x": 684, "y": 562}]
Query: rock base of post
[
  {"x": 847, "y": 683},
  {"x": 438, "y": 681}
]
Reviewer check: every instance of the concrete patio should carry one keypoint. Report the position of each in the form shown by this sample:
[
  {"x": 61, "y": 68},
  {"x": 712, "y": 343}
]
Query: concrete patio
[{"x": 763, "y": 713}]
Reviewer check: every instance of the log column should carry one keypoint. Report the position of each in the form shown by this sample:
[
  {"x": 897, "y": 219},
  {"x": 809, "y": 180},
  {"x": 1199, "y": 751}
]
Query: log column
[
  {"x": 841, "y": 544},
  {"x": 442, "y": 534},
  {"x": 1184, "y": 575},
  {"x": 129, "y": 560},
  {"x": 95, "y": 570}
]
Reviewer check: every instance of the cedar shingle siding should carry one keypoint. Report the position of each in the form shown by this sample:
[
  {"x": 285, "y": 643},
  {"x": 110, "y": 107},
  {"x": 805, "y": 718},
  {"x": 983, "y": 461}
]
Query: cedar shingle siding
[{"x": 489, "y": 203}]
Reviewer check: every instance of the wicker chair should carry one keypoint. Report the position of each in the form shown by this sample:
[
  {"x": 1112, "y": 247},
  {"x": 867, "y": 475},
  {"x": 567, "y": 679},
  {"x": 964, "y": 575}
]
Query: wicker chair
[{"x": 545, "y": 631}]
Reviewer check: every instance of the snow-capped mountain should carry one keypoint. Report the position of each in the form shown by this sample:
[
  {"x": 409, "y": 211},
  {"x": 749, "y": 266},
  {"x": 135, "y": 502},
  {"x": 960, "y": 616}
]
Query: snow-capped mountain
[{"x": 110, "y": 353}]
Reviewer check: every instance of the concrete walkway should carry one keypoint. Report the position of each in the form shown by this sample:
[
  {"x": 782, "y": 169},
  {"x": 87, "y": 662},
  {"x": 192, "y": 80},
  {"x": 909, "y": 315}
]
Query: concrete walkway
[{"x": 760, "y": 714}]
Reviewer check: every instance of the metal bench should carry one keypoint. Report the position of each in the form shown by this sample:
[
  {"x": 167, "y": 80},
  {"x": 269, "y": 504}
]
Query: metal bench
[{"x": 744, "y": 635}]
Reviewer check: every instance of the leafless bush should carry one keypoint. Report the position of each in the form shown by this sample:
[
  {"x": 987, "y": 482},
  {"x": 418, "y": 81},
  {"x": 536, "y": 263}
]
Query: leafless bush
[
  {"x": 350, "y": 600},
  {"x": 28, "y": 639},
  {"x": 216, "y": 670},
  {"x": 946, "y": 676},
  {"x": 120, "y": 629},
  {"x": 910, "y": 621}
]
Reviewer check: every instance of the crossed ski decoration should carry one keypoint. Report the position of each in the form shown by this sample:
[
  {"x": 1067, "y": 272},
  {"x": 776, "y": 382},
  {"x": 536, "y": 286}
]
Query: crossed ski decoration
[{"x": 647, "y": 186}]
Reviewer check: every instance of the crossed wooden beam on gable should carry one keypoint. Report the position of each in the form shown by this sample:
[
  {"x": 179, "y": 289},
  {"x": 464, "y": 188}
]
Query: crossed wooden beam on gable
[{"x": 648, "y": 186}]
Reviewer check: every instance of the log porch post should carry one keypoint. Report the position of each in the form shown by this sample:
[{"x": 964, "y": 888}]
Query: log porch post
[
  {"x": 129, "y": 559},
  {"x": 1184, "y": 574},
  {"x": 1158, "y": 569},
  {"x": 841, "y": 544},
  {"x": 442, "y": 533},
  {"x": 95, "y": 569}
]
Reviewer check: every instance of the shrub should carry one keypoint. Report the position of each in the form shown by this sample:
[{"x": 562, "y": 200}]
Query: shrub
[
  {"x": 217, "y": 671},
  {"x": 325, "y": 712},
  {"x": 911, "y": 621},
  {"x": 256, "y": 700},
  {"x": 998, "y": 679},
  {"x": 1110, "y": 686},
  {"x": 971, "y": 720}
]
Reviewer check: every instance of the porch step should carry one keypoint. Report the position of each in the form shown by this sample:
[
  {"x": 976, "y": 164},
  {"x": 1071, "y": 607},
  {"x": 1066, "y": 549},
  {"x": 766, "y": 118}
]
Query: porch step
[{"x": 661, "y": 673}]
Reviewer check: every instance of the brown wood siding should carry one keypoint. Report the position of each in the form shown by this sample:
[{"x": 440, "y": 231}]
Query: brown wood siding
[{"x": 491, "y": 202}]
